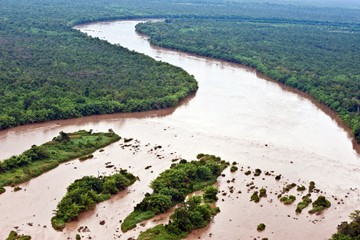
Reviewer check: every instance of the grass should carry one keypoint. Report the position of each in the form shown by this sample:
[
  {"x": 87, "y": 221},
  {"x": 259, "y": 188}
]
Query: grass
[
  {"x": 134, "y": 218},
  {"x": 40, "y": 159}
]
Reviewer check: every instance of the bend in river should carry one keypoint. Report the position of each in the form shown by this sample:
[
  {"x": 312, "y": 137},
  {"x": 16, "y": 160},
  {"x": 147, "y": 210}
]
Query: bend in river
[{"x": 235, "y": 115}]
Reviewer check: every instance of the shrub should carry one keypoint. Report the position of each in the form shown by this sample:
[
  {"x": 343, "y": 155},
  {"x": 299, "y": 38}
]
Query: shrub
[
  {"x": 233, "y": 168},
  {"x": 261, "y": 227},
  {"x": 257, "y": 172},
  {"x": 319, "y": 205}
]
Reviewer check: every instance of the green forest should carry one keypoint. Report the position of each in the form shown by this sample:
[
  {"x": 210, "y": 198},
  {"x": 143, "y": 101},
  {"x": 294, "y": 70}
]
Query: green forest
[
  {"x": 49, "y": 71},
  {"x": 319, "y": 59}
]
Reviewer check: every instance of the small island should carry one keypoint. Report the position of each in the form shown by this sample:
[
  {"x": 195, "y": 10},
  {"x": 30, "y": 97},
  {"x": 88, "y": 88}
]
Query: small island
[
  {"x": 85, "y": 193},
  {"x": 195, "y": 213},
  {"x": 173, "y": 185},
  {"x": 40, "y": 159}
]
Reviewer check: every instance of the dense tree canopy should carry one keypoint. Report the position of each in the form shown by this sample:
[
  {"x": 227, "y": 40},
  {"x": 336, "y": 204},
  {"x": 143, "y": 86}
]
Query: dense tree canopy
[{"x": 50, "y": 71}]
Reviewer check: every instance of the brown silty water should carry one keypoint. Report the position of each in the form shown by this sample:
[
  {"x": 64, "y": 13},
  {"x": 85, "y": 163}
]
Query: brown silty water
[{"x": 236, "y": 115}]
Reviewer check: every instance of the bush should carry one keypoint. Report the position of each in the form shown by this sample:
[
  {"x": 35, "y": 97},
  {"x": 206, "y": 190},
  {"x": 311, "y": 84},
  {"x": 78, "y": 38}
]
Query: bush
[
  {"x": 210, "y": 194},
  {"x": 306, "y": 200},
  {"x": 257, "y": 172},
  {"x": 319, "y": 205},
  {"x": 287, "y": 200},
  {"x": 261, "y": 227},
  {"x": 233, "y": 168},
  {"x": 255, "y": 197}
]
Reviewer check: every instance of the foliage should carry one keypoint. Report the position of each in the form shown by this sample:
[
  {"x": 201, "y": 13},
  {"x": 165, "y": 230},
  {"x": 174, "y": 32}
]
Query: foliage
[
  {"x": 311, "y": 186},
  {"x": 287, "y": 200},
  {"x": 210, "y": 193},
  {"x": 306, "y": 200},
  {"x": 349, "y": 231},
  {"x": 233, "y": 168},
  {"x": 84, "y": 193},
  {"x": 257, "y": 172},
  {"x": 319, "y": 205},
  {"x": 172, "y": 186},
  {"x": 2, "y": 190},
  {"x": 15, "y": 236},
  {"x": 255, "y": 197},
  {"x": 301, "y": 188},
  {"x": 261, "y": 227},
  {"x": 50, "y": 71},
  {"x": 193, "y": 214},
  {"x": 40, "y": 159},
  {"x": 318, "y": 58}
]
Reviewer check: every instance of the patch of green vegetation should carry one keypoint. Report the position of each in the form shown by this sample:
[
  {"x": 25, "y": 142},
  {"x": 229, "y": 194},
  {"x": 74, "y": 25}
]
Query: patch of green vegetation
[
  {"x": 40, "y": 159},
  {"x": 262, "y": 193},
  {"x": 233, "y": 168},
  {"x": 311, "y": 186},
  {"x": 301, "y": 188},
  {"x": 2, "y": 190},
  {"x": 172, "y": 186},
  {"x": 255, "y": 197},
  {"x": 319, "y": 205},
  {"x": 257, "y": 172},
  {"x": 349, "y": 231},
  {"x": 86, "y": 192},
  {"x": 287, "y": 200},
  {"x": 86, "y": 157},
  {"x": 306, "y": 200},
  {"x": 78, "y": 237},
  {"x": 210, "y": 193},
  {"x": 247, "y": 172},
  {"x": 193, "y": 214},
  {"x": 289, "y": 187},
  {"x": 261, "y": 227},
  {"x": 15, "y": 236}
]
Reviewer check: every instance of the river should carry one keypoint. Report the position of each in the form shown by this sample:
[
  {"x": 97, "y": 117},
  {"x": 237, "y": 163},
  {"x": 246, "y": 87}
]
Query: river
[{"x": 236, "y": 114}]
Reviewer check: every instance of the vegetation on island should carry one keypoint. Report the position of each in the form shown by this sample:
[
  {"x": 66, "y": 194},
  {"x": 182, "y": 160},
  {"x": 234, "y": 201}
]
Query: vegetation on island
[
  {"x": 85, "y": 193},
  {"x": 306, "y": 200},
  {"x": 50, "y": 71},
  {"x": 40, "y": 159},
  {"x": 320, "y": 204},
  {"x": 15, "y": 236},
  {"x": 261, "y": 227},
  {"x": 318, "y": 58},
  {"x": 172, "y": 186},
  {"x": 195, "y": 213},
  {"x": 349, "y": 231}
]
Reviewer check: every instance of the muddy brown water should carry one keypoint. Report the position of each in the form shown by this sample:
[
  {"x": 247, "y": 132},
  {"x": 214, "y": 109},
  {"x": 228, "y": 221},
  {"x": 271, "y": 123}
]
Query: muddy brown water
[{"x": 235, "y": 114}]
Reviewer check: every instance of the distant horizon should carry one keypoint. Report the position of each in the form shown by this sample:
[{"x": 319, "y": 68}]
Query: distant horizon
[{"x": 314, "y": 3}]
